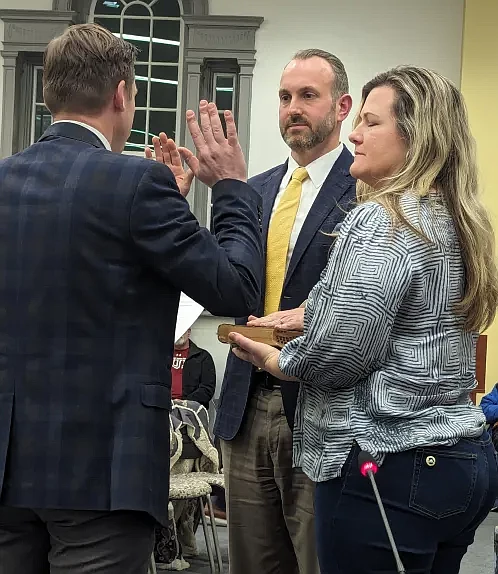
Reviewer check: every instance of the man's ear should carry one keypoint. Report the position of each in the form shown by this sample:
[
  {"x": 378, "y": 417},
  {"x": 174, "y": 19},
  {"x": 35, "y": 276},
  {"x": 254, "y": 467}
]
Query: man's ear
[
  {"x": 344, "y": 105},
  {"x": 120, "y": 95}
]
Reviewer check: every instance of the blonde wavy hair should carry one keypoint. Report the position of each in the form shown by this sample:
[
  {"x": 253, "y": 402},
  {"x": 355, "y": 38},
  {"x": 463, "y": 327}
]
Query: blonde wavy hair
[{"x": 431, "y": 117}]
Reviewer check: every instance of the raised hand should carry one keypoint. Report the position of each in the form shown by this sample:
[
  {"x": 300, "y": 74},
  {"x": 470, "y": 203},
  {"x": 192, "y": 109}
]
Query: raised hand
[
  {"x": 166, "y": 152},
  {"x": 217, "y": 157}
]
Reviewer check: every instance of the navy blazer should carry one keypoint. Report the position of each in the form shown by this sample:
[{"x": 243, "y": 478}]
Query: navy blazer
[
  {"x": 95, "y": 248},
  {"x": 309, "y": 258}
]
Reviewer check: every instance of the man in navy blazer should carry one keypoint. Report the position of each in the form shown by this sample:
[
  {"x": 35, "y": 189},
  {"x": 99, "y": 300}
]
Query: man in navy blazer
[
  {"x": 270, "y": 504},
  {"x": 95, "y": 248}
]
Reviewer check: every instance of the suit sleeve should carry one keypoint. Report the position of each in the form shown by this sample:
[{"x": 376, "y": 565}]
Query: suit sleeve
[
  {"x": 222, "y": 272},
  {"x": 350, "y": 312},
  {"x": 205, "y": 391},
  {"x": 489, "y": 405}
]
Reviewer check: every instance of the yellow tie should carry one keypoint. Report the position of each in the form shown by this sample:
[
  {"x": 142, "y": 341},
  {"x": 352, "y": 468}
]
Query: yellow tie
[{"x": 277, "y": 243}]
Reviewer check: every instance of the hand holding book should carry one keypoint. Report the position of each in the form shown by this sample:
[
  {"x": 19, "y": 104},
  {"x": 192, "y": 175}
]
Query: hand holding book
[{"x": 275, "y": 329}]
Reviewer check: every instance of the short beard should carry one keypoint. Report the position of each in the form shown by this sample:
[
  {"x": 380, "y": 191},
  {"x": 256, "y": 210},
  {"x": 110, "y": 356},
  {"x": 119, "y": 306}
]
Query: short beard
[{"x": 316, "y": 136}]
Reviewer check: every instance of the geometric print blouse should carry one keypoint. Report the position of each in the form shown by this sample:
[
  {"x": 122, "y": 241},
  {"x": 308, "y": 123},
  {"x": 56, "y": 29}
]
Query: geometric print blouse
[{"x": 384, "y": 360}]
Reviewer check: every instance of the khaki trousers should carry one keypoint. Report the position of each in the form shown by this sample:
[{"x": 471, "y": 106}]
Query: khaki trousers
[{"x": 269, "y": 504}]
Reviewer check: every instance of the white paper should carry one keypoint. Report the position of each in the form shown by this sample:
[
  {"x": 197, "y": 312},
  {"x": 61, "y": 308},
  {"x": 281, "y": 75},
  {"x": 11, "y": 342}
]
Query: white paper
[{"x": 188, "y": 313}]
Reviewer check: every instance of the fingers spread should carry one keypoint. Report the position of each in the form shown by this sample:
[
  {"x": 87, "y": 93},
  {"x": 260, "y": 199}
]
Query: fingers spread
[
  {"x": 176, "y": 160},
  {"x": 195, "y": 131},
  {"x": 216, "y": 125},
  {"x": 205, "y": 120},
  {"x": 233, "y": 140},
  {"x": 190, "y": 159},
  {"x": 158, "y": 149}
]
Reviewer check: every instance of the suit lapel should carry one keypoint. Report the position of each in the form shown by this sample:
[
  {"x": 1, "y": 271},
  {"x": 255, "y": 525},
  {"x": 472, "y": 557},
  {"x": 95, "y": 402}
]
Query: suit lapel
[
  {"x": 334, "y": 187},
  {"x": 269, "y": 193}
]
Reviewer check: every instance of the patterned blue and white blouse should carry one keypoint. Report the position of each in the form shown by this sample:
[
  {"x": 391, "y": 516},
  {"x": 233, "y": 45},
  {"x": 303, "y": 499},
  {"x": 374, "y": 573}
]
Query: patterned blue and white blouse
[{"x": 384, "y": 360}]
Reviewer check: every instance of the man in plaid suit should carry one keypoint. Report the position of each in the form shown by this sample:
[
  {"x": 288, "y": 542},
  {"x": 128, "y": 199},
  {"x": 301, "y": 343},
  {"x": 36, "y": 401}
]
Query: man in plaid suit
[{"x": 95, "y": 248}]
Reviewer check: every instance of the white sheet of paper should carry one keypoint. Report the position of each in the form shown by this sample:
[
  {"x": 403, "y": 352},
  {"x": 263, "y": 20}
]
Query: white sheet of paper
[{"x": 188, "y": 313}]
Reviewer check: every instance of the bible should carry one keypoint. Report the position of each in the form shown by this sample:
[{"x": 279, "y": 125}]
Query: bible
[{"x": 274, "y": 337}]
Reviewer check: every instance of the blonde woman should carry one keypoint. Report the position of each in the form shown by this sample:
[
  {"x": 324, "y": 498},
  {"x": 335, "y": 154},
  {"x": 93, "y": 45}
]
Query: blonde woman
[{"x": 387, "y": 359}]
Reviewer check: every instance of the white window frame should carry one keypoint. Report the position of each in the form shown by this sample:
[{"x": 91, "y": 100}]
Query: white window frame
[
  {"x": 35, "y": 103},
  {"x": 149, "y": 63}
]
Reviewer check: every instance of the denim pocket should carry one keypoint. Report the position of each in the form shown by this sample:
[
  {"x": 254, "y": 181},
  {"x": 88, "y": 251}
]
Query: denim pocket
[{"x": 443, "y": 481}]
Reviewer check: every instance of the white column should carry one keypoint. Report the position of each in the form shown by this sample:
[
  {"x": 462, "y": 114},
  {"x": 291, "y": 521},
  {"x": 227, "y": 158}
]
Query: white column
[{"x": 8, "y": 99}]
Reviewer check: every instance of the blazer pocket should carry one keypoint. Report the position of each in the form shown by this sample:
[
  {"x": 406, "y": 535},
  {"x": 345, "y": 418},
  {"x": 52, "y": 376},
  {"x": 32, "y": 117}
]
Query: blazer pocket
[{"x": 154, "y": 395}]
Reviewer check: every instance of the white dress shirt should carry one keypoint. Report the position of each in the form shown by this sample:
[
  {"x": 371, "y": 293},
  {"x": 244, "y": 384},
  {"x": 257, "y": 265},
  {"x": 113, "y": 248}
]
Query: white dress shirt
[
  {"x": 318, "y": 171},
  {"x": 100, "y": 135}
]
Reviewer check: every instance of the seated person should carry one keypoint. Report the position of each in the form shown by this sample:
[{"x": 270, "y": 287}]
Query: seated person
[{"x": 193, "y": 376}]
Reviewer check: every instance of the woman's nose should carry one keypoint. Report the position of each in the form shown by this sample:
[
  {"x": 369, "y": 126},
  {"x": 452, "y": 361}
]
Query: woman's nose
[{"x": 355, "y": 137}]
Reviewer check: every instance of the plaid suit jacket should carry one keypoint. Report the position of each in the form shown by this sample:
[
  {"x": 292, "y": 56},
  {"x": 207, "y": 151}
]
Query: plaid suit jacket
[
  {"x": 95, "y": 248},
  {"x": 309, "y": 258}
]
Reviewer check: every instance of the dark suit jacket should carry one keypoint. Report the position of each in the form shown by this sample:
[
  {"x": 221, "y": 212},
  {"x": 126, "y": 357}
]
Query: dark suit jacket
[
  {"x": 95, "y": 248},
  {"x": 309, "y": 258},
  {"x": 198, "y": 376}
]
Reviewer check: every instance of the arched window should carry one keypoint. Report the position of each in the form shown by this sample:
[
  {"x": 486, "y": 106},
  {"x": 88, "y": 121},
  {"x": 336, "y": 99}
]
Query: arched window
[{"x": 154, "y": 27}]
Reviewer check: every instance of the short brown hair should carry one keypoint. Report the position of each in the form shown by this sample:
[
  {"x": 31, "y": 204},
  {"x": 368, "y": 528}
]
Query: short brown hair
[
  {"x": 341, "y": 84},
  {"x": 83, "y": 66}
]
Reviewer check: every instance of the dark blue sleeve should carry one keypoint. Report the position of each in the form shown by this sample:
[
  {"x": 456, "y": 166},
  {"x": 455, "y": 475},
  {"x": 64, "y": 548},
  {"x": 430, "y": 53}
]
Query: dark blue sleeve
[
  {"x": 489, "y": 405},
  {"x": 222, "y": 272}
]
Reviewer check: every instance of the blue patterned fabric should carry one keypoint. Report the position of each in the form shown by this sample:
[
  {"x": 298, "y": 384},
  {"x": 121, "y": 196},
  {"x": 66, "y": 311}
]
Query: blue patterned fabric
[
  {"x": 385, "y": 360},
  {"x": 95, "y": 248}
]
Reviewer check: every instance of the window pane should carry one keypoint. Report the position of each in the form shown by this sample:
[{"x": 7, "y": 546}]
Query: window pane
[
  {"x": 141, "y": 75},
  {"x": 137, "y": 135},
  {"x": 108, "y": 7},
  {"x": 164, "y": 86},
  {"x": 162, "y": 122},
  {"x": 136, "y": 10},
  {"x": 42, "y": 120},
  {"x": 166, "y": 8},
  {"x": 225, "y": 81},
  {"x": 166, "y": 31},
  {"x": 39, "y": 86},
  {"x": 137, "y": 32},
  {"x": 111, "y": 24},
  {"x": 224, "y": 100}
]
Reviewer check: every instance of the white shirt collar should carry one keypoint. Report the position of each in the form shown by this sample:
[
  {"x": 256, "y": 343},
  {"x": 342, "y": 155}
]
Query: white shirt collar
[
  {"x": 318, "y": 169},
  {"x": 95, "y": 131}
]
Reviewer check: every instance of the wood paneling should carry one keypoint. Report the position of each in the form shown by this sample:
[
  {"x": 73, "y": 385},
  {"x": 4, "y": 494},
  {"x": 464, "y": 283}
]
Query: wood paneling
[{"x": 481, "y": 351}]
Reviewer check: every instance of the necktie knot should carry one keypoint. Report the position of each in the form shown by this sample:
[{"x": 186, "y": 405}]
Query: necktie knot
[{"x": 300, "y": 173}]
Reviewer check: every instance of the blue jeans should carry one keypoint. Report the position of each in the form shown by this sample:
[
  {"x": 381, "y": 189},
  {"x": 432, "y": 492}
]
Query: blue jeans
[{"x": 434, "y": 506}]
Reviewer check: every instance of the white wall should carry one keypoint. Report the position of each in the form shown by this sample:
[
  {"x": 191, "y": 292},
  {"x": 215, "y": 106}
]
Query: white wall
[
  {"x": 369, "y": 37},
  {"x": 204, "y": 335}
]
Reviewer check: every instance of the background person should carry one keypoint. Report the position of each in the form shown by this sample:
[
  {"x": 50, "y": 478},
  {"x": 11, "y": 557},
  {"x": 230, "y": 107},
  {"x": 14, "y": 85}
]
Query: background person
[{"x": 303, "y": 201}]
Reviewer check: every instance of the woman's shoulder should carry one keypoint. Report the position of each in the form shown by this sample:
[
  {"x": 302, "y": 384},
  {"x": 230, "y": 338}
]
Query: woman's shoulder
[{"x": 369, "y": 217}]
